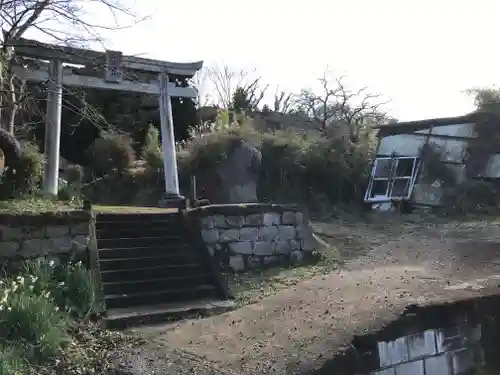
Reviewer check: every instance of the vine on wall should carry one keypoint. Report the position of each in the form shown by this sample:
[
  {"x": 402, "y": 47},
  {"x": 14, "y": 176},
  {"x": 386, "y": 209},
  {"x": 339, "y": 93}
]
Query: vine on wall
[
  {"x": 486, "y": 143},
  {"x": 432, "y": 166}
]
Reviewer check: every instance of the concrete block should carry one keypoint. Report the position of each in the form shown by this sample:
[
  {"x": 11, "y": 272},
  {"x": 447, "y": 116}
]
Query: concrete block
[
  {"x": 80, "y": 228},
  {"x": 227, "y": 222},
  {"x": 271, "y": 260},
  {"x": 207, "y": 222},
  {"x": 300, "y": 218},
  {"x": 219, "y": 221},
  {"x": 294, "y": 244},
  {"x": 61, "y": 244},
  {"x": 291, "y": 218},
  {"x": 235, "y": 221},
  {"x": 241, "y": 247},
  {"x": 253, "y": 220},
  {"x": 249, "y": 234},
  {"x": 8, "y": 249},
  {"x": 8, "y": 233},
  {"x": 271, "y": 218},
  {"x": 56, "y": 231},
  {"x": 237, "y": 263},
  {"x": 36, "y": 247},
  {"x": 263, "y": 248},
  {"x": 80, "y": 243},
  {"x": 282, "y": 247},
  {"x": 254, "y": 262},
  {"x": 286, "y": 232},
  {"x": 34, "y": 232},
  {"x": 304, "y": 231},
  {"x": 210, "y": 235},
  {"x": 296, "y": 257},
  {"x": 268, "y": 233},
  {"x": 229, "y": 235}
]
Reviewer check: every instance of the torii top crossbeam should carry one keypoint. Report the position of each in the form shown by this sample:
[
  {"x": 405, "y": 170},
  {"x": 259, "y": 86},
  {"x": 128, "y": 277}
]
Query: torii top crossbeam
[
  {"x": 121, "y": 72},
  {"x": 119, "y": 69}
]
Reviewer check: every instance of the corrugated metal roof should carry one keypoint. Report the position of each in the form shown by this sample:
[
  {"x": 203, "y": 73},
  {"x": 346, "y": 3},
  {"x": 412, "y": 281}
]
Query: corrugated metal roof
[{"x": 413, "y": 126}]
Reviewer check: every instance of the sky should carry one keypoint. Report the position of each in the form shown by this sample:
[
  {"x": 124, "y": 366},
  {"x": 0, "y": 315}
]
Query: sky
[{"x": 421, "y": 55}]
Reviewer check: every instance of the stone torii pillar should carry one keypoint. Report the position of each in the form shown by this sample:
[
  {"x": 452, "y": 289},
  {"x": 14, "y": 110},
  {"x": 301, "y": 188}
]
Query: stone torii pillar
[
  {"x": 172, "y": 196},
  {"x": 53, "y": 128}
]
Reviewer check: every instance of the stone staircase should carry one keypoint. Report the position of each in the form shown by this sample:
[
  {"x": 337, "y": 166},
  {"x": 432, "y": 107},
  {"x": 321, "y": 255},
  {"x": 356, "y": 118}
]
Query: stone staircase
[{"x": 152, "y": 268}]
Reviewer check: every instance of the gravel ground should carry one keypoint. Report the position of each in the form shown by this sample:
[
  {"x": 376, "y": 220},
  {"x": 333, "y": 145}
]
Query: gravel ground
[{"x": 393, "y": 265}]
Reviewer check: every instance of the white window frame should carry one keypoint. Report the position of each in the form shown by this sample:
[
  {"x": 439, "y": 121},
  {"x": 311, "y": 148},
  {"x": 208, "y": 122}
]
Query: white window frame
[{"x": 391, "y": 179}]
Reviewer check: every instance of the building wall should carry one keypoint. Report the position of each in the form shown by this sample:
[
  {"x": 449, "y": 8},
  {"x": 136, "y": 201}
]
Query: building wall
[{"x": 452, "y": 140}]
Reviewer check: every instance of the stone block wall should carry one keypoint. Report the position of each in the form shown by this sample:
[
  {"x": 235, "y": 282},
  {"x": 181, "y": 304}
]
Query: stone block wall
[
  {"x": 57, "y": 235},
  {"x": 454, "y": 349},
  {"x": 242, "y": 237}
]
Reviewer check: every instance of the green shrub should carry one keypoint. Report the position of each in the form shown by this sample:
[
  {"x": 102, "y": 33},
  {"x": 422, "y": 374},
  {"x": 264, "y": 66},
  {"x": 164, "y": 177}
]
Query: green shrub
[
  {"x": 11, "y": 361},
  {"x": 79, "y": 291},
  {"x": 32, "y": 318},
  {"x": 152, "y": 152},
  {"x": 295, "y": 167},
  {"x": 73, "y": 286},
  {"x": 112, "y": 152},
  {"x": 26, "y": 178},
  {"x": 471, "y": 196}
]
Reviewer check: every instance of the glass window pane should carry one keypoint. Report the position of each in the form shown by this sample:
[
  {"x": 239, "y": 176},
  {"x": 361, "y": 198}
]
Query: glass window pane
[
  {"x": 379, "y": 187},
  {"x": 404, "y": 168},
  {"x": 400, "y": 187},
  {"x": 383, "y": 168}
]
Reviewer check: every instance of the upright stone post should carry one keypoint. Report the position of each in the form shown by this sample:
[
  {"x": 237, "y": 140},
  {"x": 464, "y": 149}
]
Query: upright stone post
[
  {"x": 172, "y": 197},
  {"x": 53, "y": 128}
]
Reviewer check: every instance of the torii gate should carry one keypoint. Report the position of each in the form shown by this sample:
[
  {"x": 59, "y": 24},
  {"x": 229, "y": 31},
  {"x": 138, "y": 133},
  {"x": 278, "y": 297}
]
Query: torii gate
[{"x": 113, "y": 77}]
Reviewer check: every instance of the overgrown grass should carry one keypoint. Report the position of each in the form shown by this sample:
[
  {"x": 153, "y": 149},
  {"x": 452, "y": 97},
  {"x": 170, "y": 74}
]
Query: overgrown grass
[
  {"x": 253, "y": 286},
  {"x": 45, "y": 314},
  {"x": 37, "y": 205}
]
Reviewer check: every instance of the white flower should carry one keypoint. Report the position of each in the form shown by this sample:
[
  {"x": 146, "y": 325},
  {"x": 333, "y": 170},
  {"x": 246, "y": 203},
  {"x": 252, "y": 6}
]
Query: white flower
[
  {"x": 52, "y": 263},
  {"x": 9, "y": 309}
]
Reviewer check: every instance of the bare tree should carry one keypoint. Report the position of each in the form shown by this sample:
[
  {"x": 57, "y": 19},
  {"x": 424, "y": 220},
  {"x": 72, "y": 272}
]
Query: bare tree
[
  {"x": 337, "y": 104},
  {"x": 200, "y": 81},
  {"x": 226, "y": 81},
  {"x": 282, "y": 101},
  {"x": 66, "y": 22}
]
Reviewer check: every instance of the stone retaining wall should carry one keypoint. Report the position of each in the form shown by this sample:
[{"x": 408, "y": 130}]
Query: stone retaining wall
[
  {"x": 60, "y": 235},
  {"x": 242, "y": 237}
]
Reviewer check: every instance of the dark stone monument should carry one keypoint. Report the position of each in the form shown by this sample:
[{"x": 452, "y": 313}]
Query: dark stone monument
[{"x": 235, "y": 179}]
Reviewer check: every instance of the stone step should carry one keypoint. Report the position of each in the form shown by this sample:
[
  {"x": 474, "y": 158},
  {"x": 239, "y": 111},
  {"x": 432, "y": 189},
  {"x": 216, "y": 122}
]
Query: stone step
[
  {"x": 158, "y": 313},
  {"x": 138, "y": 232},
  {"x": 151, "y": 298},
  {"x": 139, "y": 225},
  {"x": 151, "y": 251},
  {"x": 172, "y": 241},
  {"x": 151, "y": 285},
  {"x": 137, "y": 217},
  {"x": 147, "y": 262},
  {"x": 152, "y": 272}
]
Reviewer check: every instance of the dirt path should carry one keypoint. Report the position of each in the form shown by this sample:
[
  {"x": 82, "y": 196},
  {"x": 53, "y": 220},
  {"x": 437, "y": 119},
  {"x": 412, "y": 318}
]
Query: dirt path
[
  {"x": 455, "y": 249},
  {"x": 392, "y": 265}
]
